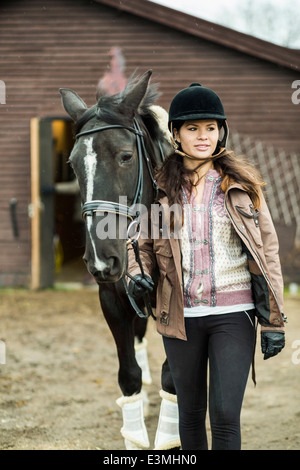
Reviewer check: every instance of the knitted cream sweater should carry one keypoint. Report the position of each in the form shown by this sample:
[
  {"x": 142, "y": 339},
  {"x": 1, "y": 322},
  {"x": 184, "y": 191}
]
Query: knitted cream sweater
[{"x": 215, "y": 271}]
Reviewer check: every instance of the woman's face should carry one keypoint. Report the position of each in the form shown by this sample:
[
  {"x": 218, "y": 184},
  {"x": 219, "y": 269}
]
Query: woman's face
[{"x": 198, "y": 138}]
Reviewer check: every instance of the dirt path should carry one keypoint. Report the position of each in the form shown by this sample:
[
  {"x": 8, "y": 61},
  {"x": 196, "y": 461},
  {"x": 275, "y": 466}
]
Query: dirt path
[{"x": 59, "y": 385}]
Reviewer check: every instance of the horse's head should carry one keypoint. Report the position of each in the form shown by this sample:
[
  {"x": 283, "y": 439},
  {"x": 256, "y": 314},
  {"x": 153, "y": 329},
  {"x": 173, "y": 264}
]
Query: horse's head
[{"x": 109, "y": 166}]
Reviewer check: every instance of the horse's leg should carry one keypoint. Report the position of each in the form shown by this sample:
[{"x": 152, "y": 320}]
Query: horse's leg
[
  {"x": 141, "y": 354},
  {"x": 121, "y": 323},
  {"x": 140, "y": 327},
  {"x": 167, "y": 433}
]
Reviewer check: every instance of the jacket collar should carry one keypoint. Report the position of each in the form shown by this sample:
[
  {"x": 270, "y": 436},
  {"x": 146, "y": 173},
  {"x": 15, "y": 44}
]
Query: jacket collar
[{"x": 235, "y": 186}]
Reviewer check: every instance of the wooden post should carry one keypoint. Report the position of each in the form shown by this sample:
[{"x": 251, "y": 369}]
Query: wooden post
[{"x": 35, "y": 207}]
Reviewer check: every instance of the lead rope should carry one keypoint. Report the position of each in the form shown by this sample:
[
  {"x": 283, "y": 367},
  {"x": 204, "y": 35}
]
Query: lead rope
[
  {"x": 134, "y": 241},
  {"x": 146, "y": 296}
]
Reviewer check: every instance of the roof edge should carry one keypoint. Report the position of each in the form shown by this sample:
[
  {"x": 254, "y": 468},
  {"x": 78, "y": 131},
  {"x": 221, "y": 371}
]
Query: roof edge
[{"x": 216, "y": 33}]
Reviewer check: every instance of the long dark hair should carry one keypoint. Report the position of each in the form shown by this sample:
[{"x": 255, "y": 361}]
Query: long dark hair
[{"x": 232, "y": 169}]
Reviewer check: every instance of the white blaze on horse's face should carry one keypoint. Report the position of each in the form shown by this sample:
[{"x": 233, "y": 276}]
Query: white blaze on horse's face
[{"x": 90, "y": 164}]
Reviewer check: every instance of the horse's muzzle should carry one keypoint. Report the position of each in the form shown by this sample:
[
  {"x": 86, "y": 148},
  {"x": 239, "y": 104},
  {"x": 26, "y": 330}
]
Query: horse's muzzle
[{"x": 109, "y": 270}]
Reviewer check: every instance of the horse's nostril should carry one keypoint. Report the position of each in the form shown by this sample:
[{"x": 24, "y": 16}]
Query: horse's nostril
[
  {"x": 108, "y": 270},
  {"x": 114, "y": 264}
]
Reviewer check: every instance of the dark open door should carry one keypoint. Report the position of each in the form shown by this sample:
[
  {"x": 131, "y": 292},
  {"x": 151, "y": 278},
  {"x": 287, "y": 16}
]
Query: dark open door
[{"x": 53, "y": 225}]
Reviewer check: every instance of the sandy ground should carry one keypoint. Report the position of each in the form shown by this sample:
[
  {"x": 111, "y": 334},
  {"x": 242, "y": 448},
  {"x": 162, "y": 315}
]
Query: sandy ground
[{"x": 58, "y": 387}]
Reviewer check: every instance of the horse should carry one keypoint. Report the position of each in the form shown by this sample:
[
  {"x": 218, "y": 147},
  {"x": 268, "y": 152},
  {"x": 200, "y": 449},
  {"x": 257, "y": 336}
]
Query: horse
[{"x": 119, "y": 142}]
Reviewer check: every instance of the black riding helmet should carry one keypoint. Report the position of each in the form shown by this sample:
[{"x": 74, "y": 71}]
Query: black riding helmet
[{"x": 198, "y": 102}]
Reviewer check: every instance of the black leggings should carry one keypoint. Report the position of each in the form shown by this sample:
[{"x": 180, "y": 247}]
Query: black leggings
[{"x": 226, "y": 343}]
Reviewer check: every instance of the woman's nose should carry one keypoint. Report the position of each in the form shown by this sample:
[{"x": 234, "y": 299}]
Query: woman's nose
[{"x": 202, "y": 135}]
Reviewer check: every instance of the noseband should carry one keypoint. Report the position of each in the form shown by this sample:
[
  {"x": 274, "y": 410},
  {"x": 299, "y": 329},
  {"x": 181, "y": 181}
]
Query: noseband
[{"x": 132, "y": 212}]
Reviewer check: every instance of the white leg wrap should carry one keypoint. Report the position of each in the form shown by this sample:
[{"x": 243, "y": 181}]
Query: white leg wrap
[
  {"x": 142, "y": 360},
  {"x": 146, "y": 402},
  {"x": 134, "y": 430},
  {"x": 167, "y": 434}
]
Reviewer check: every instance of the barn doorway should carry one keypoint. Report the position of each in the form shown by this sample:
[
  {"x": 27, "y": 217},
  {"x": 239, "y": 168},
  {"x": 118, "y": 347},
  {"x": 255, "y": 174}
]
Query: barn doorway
[{"x": 57, "y": 226}]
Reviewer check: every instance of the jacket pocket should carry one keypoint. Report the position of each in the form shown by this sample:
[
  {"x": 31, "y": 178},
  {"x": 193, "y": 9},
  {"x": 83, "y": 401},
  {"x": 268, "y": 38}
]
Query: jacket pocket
[
  {"x": 163, "y": 253},
  {"x": 250, "y": 220}
]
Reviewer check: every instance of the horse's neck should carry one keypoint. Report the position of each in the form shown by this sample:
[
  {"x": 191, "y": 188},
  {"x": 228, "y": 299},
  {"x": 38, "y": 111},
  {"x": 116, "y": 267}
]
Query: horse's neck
[
  {"x": 148, "y": 188},
  {"x": 158, "y": 154}
]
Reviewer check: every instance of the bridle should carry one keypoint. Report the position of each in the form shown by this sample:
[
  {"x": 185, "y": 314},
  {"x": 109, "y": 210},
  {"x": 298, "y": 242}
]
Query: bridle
[{"x": 131, "y": 212}]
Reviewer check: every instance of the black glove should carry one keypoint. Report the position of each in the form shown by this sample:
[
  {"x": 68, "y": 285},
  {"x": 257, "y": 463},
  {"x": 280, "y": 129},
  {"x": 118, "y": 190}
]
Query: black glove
[
  {"x": 140, "y": 285},
  {"x": 272, "y": 342}
]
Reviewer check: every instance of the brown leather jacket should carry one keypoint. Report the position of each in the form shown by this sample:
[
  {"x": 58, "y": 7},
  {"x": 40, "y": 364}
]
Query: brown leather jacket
[{"x": 258, "y": 235}]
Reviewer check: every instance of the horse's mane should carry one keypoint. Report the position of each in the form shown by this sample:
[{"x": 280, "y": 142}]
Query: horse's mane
[
  {"x": 151, "y": 118},
  {"x": 107, "y": 109}
]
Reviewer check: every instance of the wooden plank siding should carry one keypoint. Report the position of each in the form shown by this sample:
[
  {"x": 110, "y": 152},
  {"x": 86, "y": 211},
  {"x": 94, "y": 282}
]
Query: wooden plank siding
[{"x": 48, "y": 44}]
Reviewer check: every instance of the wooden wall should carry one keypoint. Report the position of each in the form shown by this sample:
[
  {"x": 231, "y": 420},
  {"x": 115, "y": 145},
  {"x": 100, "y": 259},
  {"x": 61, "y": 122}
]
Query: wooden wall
[{"x": 45, "y": 45}]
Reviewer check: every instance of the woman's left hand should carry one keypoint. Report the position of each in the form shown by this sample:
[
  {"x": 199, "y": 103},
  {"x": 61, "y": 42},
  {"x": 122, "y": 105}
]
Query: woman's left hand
[{"x": 272, "y": 342}]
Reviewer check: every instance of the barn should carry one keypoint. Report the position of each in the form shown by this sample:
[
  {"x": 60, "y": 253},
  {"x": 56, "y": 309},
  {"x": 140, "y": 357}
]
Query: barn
[{"x": 48, "y": 44}]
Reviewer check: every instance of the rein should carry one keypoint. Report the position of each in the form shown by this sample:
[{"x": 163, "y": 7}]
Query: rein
[{"x": 131, "y": 212}]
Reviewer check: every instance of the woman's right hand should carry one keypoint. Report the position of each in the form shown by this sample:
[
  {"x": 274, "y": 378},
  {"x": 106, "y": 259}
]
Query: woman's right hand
[{"x": 140, "y": 285}]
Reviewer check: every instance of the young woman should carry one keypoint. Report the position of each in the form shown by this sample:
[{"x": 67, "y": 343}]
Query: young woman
[{"x": 221, "y": 273}]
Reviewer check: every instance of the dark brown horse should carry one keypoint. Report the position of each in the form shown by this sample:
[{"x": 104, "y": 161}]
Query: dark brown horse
[{"x": 119, "y": 142}]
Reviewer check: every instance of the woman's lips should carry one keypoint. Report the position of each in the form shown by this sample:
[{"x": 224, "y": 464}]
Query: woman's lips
[{"x": 202, "y": 147}]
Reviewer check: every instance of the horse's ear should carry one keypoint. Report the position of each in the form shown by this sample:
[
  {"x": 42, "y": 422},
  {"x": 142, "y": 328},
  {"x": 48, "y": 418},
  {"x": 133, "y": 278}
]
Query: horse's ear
[
  {"x": 72, "y": 103},
  {"x": 136, "y": 94}
]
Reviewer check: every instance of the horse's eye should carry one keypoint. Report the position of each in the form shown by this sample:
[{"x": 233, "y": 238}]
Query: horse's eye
[{"x": 126, "y": 157}]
